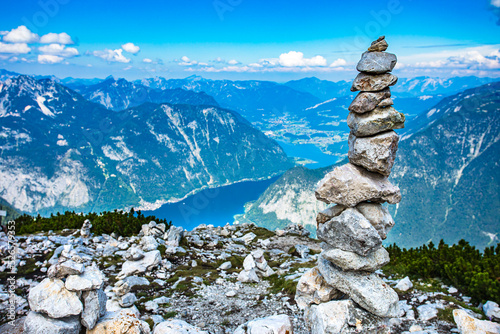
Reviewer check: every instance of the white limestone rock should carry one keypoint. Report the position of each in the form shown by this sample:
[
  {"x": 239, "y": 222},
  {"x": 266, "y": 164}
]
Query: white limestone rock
[
  {"x": 313, "y": 289},
  {"x": 52, "y": 298},
  {"x": 350, "y": 231},
  {"x": 37, "y": 323},
  {"x": 350, "y": 261},
  {"x": 367, "y": 290},
  {"x": 350, "y": 185},
  {"x": 375, "y": 153},
  {"x": 469, "y": 325},
  {"x": 94, "y": 307},
  {"x": 378, "y": 216}
]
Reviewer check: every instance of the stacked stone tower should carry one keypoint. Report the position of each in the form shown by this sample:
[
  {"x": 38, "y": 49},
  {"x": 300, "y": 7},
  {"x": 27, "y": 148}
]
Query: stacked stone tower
[{"x": 353, "y": 229}]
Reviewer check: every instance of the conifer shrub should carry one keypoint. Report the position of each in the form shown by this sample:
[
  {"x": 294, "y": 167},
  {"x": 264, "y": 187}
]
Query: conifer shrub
[
  {"x": 119, "y": 222},
  {"x": 473, "y": 273}
]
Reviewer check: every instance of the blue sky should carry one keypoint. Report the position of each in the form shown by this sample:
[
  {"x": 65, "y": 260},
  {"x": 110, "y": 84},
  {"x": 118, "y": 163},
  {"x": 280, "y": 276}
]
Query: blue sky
[{"x": 246, "y": 39}]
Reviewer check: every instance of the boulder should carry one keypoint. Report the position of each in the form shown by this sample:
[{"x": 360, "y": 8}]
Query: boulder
[
  {"x": 379, "y": 45},
  {"x": 378, "y": 216},
  {"x": 248, "y": 276},
  {"x": 176, "y": 326},
  {"x": 134, "y": 254},
  {"x": 350, "y": 261},
  {"x": 174, "y": 235},
  {"x": 313, "y": 289},
  {"x": 491, "y": 310},
  {"x": 37, "y": 323},
  {"x": 404, "y": 285},
  {"x": 377, "y": 62},
  {"x": 52, "y": 298},
  {"x": 329, "y": 213},
  {"x": 340, "y": 316},
  {"x": 350, "y": 231},
  {"x": 225, "y": 266},
  {"x": 375, "y": 153},
  {"x": 276, "y": 324},
  {"x": 248, "y": 238},
  {"x": 378, "y": 120},
  {"x": 349, "y": 185},
  {"x": 469, "y": 325},
  {"x": 150, "y": 260},
  {"x": 153, "y": 229},
  {"x": 123, "y": 321},
  {"x": 367, "y": 101},
  {"x": 367, "y": 290},
  {"x": 149, "y": 243},
  {"x": 91, "y": 279},
  {"x": 94, "y": 307},
  {"x": 373, "y": 82}
]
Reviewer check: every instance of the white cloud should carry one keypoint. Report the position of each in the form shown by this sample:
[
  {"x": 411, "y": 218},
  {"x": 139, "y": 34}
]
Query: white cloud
[
  {"x": 58, "y": 50},
  {"x": 21, "y": 35},
  {"x": 495, "y": 3},
  {"x": 338, "y": 62},
  {"x": 131, "y": 48},
  {"x": 233, "y": 62},
  {"x": 185, "y": 61},
  {"x": 112, "y": 55},
  {"x": 296, "y": 59},
  {"x": 62, "y": 38},
  {"x": 147, "y": 60},
  {"x": 16, "y": 48},
  {"x": 481, "y": 58},
  {"x": 49, "y": 59}
]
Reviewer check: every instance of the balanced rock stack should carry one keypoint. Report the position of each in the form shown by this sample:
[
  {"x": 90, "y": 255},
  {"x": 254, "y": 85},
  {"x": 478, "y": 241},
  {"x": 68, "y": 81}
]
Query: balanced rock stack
[
  {"x": 352, "y": 231},
  {"x": 69, "y": 297}
]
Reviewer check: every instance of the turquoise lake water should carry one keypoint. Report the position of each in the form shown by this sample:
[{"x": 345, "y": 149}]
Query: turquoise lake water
[
  {"x": 218, "y": 206},
  {"x": 215, "y": 206}
]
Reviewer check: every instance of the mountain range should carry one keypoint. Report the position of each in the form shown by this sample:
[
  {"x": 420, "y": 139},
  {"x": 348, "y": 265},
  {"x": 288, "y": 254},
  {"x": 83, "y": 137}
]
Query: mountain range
[
  {"x": 447, "y": 169},
  {"x": 60, "y": 151}
]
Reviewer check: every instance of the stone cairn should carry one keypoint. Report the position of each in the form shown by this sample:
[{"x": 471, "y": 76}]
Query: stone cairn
[{"x": 344, "y": 291}]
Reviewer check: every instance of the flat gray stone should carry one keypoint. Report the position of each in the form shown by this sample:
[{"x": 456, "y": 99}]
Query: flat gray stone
[
  {"x": 350, "y": 261},
  {"x": 376, "y": 121},
  {"x": 37, "y": 323},
  {"x": 329, "y": 213},
  {"x": 367, "y": 101},
  {"x": 349, "y": 185},
  {"x": 341, "y": 316},
  {"x": 373, "y": 82},
  {"x": 367, "y": 290},
  {"x": 377, "y": 62},
  {"x": 350, "y": 231},
  {"x": 375, "y": 153}
]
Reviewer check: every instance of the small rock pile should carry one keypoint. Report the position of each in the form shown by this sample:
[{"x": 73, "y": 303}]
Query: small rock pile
[
  {"x": 255, "y": 266},
  {"x": 343, "y": 292},
  {"x": 71, "y": 296}
]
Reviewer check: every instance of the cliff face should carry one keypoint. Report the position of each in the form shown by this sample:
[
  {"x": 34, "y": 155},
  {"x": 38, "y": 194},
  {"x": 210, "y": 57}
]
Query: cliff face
[{"x": 60, "y": 151}]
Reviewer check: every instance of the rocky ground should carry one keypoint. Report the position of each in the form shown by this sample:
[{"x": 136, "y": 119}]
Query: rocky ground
[{"x": 214, "y": 278}]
